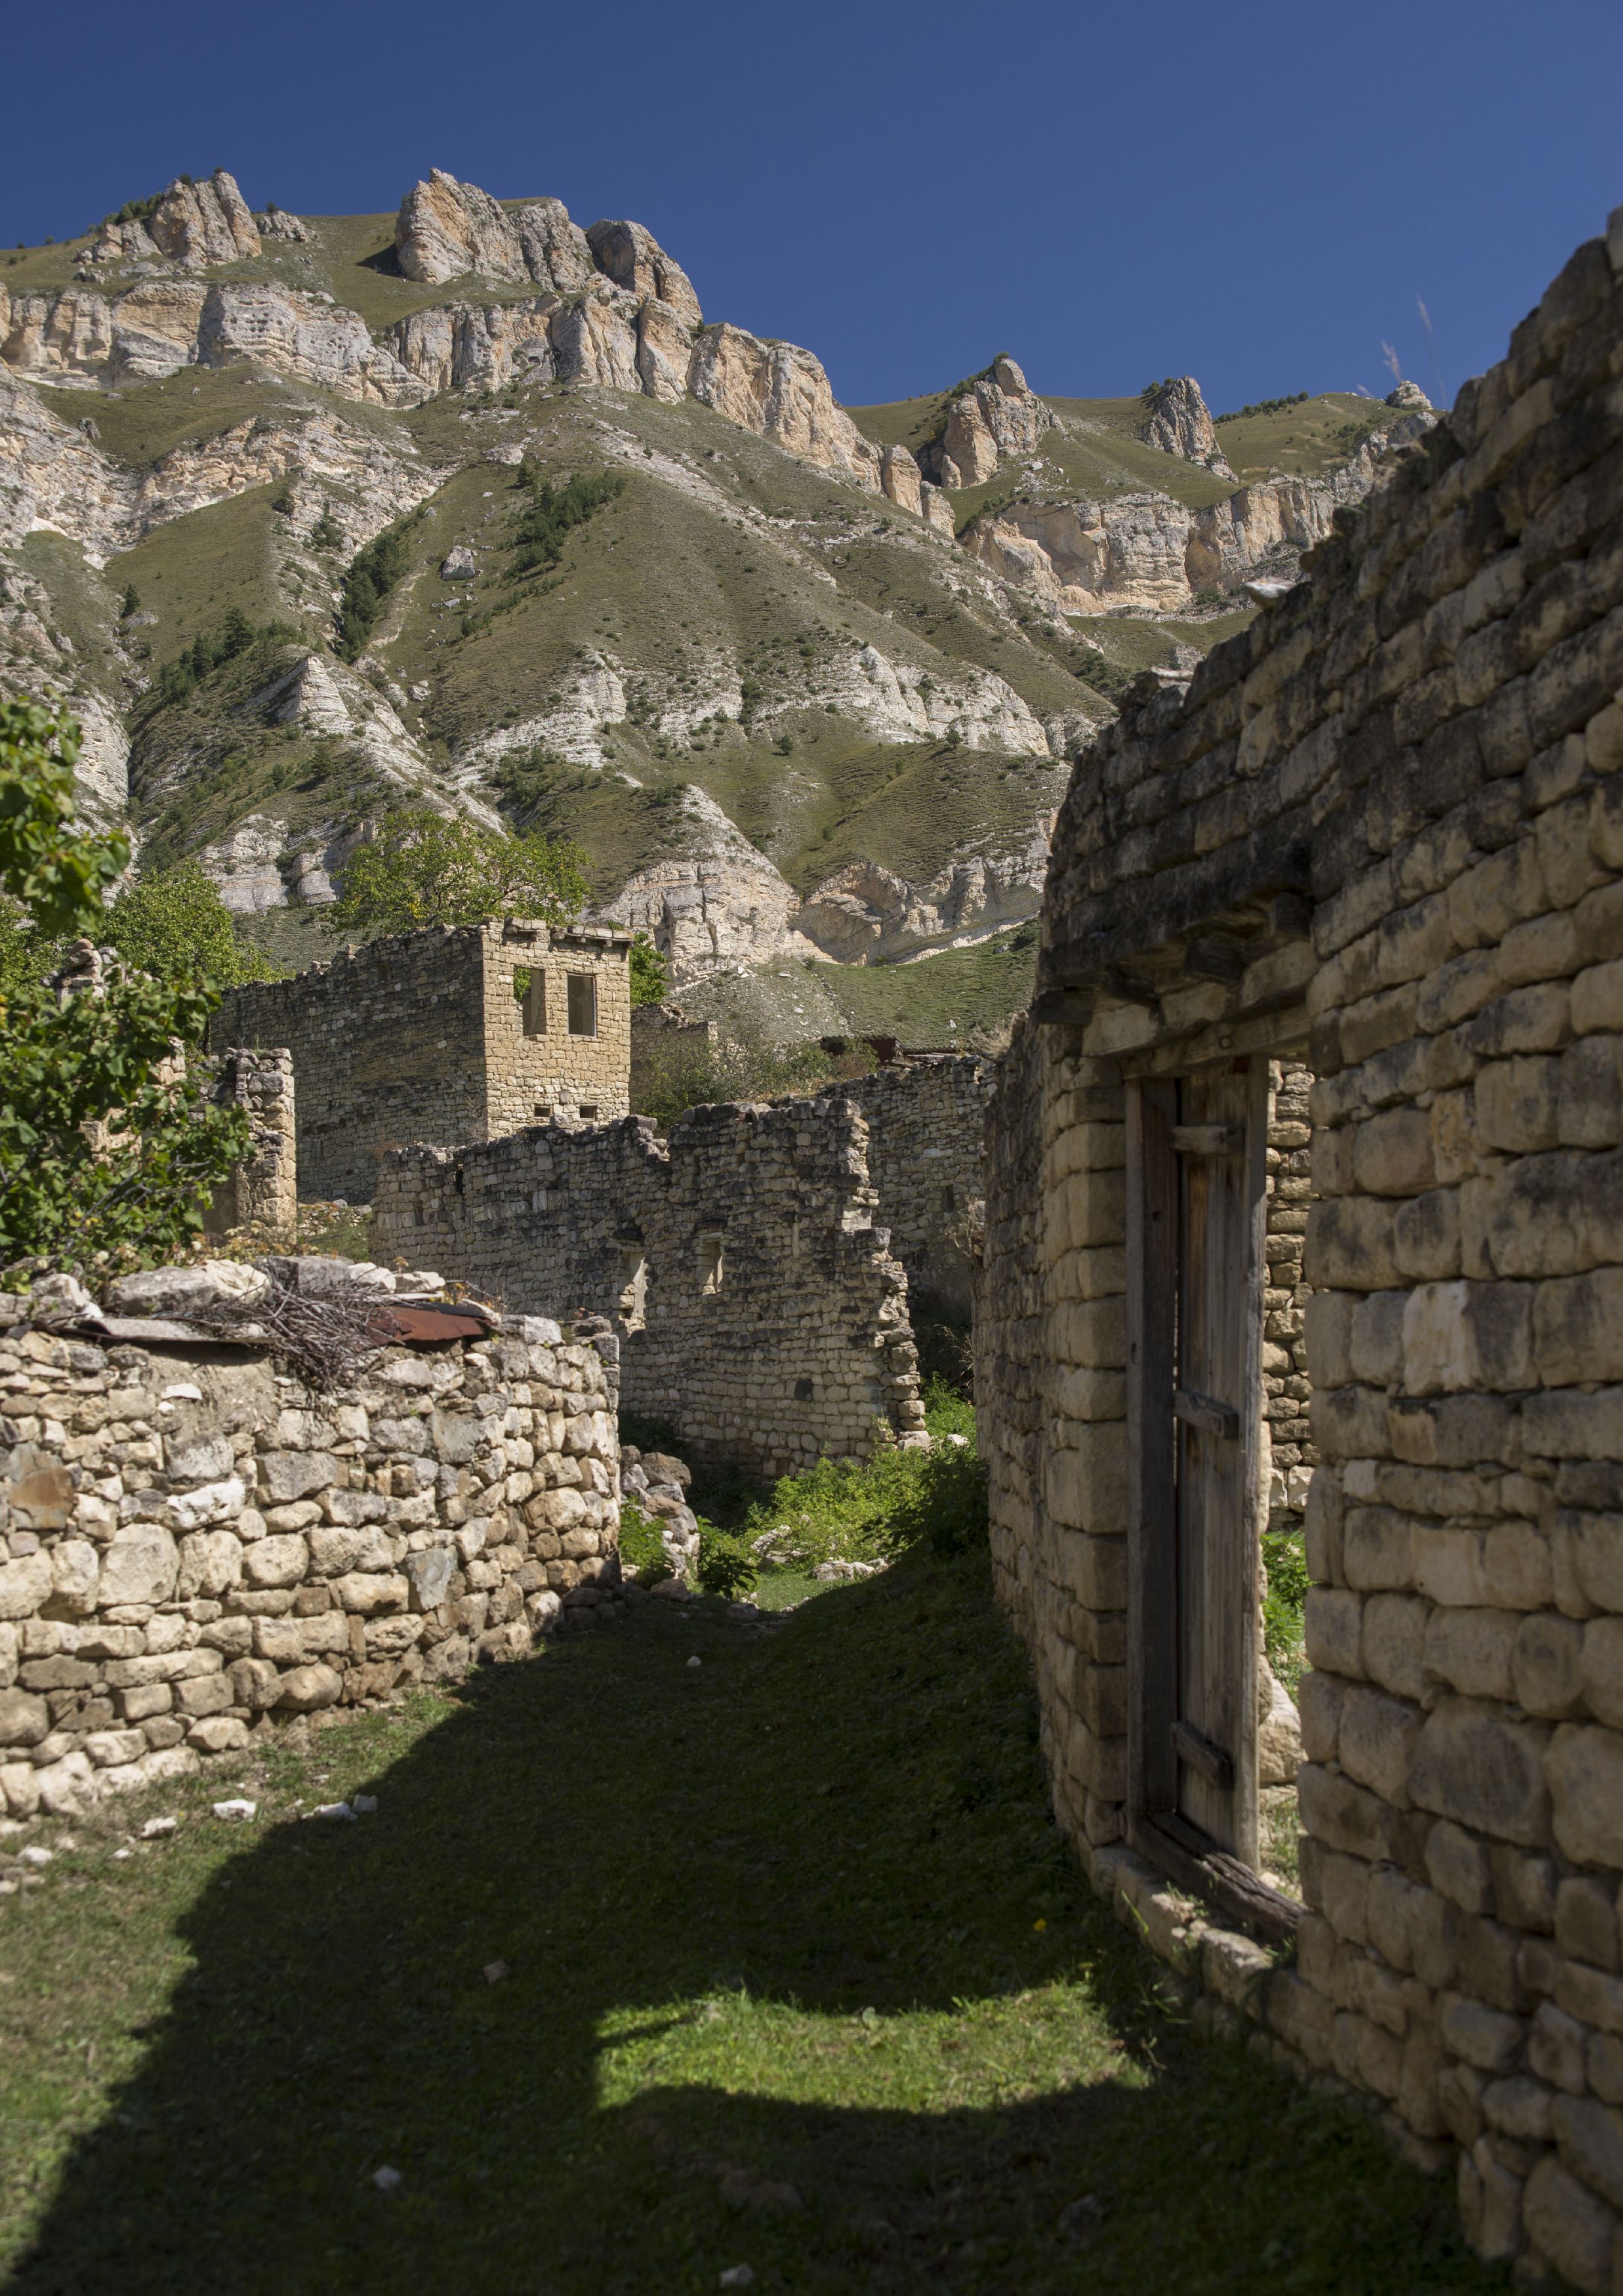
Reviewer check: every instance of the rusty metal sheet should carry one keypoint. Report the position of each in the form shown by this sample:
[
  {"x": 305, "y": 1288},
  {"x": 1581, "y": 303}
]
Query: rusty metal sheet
[{"x": 433, "y": 1326}]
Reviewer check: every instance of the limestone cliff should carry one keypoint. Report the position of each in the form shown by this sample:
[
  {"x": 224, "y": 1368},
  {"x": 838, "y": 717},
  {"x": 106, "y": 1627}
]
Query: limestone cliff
[
  {"x": 196, "y": 225},
  {"x": 1176, "y": 423},
  {"x": 445, "y": 230},
  {"x": 635, "y": 260},
  {"x": 998, "y": 416},
  {"x": 1147, "y": 551},
  {"x": 715, "y": 902}
]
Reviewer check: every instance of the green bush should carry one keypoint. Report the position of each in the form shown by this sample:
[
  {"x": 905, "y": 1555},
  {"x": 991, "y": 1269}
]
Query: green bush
[
  {"x": 870, "y": 1509},
  {"x": 642, "y": 1545},
  {"x": 727, "y": 1566},
  {"x": 373, "y": 574},
  {"x": 1285, "y": 1564},
  {"x": 553, "y": 512}
]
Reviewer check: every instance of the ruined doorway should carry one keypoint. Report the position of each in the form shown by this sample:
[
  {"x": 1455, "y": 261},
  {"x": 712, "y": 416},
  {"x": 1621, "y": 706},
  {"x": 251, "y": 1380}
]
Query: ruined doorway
[{"x": 1199, "y": 1464}]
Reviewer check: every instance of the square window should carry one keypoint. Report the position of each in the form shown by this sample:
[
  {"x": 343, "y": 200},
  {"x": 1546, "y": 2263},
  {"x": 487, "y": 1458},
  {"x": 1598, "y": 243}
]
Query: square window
[{"x": 583, "y": 1003}]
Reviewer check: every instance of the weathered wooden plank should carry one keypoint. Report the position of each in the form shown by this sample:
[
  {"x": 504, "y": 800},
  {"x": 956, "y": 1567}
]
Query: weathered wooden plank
[
  {"x": 1151, "y": 1277},
  {"x": 1208, "y": 1139},
  {"x": 1212, "y": 1761},
  {"x": 1205, "y": 1412}
]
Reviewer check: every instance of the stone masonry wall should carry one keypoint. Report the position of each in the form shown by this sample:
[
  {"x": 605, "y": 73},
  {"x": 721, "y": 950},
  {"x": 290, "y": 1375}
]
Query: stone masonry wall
[
  {"x": 262, "y": 1194},
  {"x": 193, "y": 1544},
  {"x": 420, "y": 1037},
  {"x": 760, "y": 1310},
  {"x": 925, "y": 1121},
  {"x": 1381, "y": 834}
]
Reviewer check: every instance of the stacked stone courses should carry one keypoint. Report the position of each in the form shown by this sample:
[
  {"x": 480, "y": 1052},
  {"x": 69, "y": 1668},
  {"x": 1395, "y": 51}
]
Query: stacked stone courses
[
  {"x": 925, "y": 1120},
  {"x": 760, "y": 1310},
  {"x": 262, "y": 1194},
  {"x": 422, "y": 1036},
  {"x": 193, "y": 1544},
  {"x": 1380, "y": 838}
]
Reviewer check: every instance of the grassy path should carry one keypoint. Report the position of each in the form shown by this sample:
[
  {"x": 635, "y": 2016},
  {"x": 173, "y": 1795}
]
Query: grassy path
[{"x": 801, "y": 1978}]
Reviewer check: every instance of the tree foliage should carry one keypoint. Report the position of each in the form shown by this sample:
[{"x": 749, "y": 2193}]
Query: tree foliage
[
  {"x": 552, "y": 511},
  {"x": 422, "y": 869},
  {"x": 373, "y": 574},
  {"x": 47, "y": 862},
  {"x": 107, "y": 1153},
  {"x": 176, "y": 927},
  {"x": 649, "y": 973}
]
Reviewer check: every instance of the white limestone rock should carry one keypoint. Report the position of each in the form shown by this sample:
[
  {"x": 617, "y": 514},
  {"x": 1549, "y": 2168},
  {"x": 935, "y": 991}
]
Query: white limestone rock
[
  {"x": 718, "y": 902},
  {"x": 1176, "y": 421},
  {"x": 304, "y": 336},
  {"x": 447, "y": 230},
  {"x": 635, "y": 260},
  {"x": 781, "y": 393}
]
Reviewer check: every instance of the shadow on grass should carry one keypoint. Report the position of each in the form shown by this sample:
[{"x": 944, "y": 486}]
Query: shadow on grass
[{"x": 797, "y": 1918}]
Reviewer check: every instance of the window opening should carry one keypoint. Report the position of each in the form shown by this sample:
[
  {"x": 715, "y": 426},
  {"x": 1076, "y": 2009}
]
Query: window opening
[
  {"x": 531, "y": 997},
  {"x": 588, "y": 1112},
  {"x": 709, "y": 1265},
  {"x": 583, "y": 1003}
]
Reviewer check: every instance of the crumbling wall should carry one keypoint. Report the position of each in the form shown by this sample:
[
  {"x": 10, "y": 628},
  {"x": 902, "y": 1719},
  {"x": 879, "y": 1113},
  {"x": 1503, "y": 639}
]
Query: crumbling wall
[
  {"x": 191, "y": 1542},
  {"x": 422, "y": 1037},
  {"x": 925, "y": 1122},
  {"x": 262, "y": 1194},
  {"x": 1381, "y": 834},
  {"x": 760, "y": 1310}
]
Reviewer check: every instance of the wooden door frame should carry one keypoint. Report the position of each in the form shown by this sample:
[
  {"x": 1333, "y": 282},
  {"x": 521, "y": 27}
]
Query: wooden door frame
[{"x": 1153, "y": 1199}]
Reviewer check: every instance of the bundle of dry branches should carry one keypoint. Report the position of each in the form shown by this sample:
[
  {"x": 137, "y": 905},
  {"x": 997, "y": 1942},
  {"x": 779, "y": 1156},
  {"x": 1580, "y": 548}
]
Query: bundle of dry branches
[{"x": 326, "y": 1341}]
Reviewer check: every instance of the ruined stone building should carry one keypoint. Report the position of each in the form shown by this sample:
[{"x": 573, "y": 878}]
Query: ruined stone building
[
  {"x": 446, "y": 1035},
  {"x": 1332, "y": 964},
  {"x": 759, "y": 1307}
]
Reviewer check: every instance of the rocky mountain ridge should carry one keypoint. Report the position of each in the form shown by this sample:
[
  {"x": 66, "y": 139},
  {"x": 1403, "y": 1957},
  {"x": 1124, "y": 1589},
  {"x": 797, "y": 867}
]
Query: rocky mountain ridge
[{"x": 805, "y": 689}]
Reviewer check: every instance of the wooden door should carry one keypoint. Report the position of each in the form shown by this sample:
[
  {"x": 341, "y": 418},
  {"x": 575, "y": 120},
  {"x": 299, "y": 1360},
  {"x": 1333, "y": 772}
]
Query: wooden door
[{"x": 1196, "y": 1217}]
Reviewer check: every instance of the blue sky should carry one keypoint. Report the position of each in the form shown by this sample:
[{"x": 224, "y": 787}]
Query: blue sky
[{"x": 1256, "y": 194}]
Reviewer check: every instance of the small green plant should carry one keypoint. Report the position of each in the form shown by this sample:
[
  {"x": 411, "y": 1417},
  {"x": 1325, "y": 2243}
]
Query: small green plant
[
  {"x": 327, "y": 534},
  {"x": 1285, "y": 1564},
  {"x": 130, "y": 603},
  {"x": 727, "y": 1566},
  {"x": 642, "y": 1545}
]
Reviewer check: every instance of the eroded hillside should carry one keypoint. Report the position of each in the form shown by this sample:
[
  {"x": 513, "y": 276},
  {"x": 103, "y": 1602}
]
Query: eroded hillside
[{"x": 313, "y": 517}]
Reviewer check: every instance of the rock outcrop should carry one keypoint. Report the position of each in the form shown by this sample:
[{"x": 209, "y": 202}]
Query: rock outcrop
[
  {"x": 477, "y": 347},
  {"x": 1149, "y": 553},
  {"x": 1177, "y": 423},
  {"x": 276, "y": 222},
  {"x": 594, "y": 336},
  {"x": 781, "y": 392},
  {"x": 899, "y": 476},
  {"x": 718, "y": 902},
  {"x": 196, "y": 225},
  {"x": 447, "y": 230},
  {"x": 866, "y": 915},
  {"x": 307, "y": 336},
  {"x": 1000, "y": 416},
  {"x": 635, "y": 260},
  {"x": 1409, "y": 398}
]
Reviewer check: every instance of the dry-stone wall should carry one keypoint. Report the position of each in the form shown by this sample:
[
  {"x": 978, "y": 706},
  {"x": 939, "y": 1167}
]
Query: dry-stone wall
[
  {"x": 1381, "y": 833},
  {"x": 925, "y": 1121},
  {"x": 427, "y": 1035},
  {"x": 193, "y": 1544},
  {"x": 760, "y": 1309},
  {"x": 262, "y": 1194}
]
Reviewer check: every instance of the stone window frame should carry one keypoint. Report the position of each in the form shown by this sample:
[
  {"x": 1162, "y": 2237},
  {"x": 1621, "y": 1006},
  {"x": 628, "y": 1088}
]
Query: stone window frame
[{"x": 581, "y": 990}]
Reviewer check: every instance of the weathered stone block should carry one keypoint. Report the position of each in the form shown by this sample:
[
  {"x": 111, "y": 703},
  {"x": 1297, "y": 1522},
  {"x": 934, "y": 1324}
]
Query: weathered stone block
[
  {"x": 1484, "y": 1772},
  {"x": 1585, "y": 1768}
]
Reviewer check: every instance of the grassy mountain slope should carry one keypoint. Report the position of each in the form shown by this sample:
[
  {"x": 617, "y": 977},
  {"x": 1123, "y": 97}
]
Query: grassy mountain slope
[{"x": 821, "y": 666}]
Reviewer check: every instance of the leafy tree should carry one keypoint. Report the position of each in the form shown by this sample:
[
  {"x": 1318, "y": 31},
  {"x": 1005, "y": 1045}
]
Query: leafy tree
[
  {"x": 176, "y": 927},
  {"x": 47, "y": 862},
  {"x": 422, "y": 869},
  {"x": 649, "y": 973},
  {"x": 107, "y": 1154}
]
